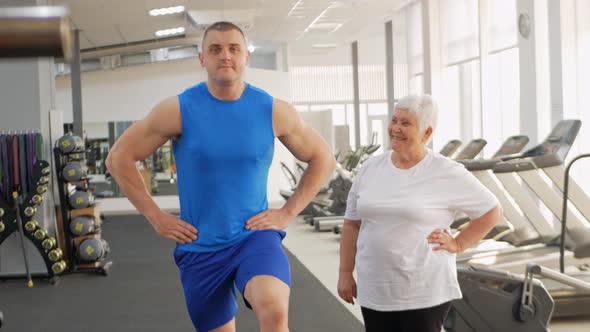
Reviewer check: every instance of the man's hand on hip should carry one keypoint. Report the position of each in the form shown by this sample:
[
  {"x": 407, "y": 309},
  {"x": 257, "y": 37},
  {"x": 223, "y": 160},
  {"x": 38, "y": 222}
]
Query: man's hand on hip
[
  {"x": 270, "y": 219},
  {"x": 170, "y": 227}
]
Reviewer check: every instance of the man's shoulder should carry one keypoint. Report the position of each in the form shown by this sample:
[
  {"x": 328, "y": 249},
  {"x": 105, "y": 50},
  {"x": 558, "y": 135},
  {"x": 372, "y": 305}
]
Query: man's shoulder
[
  {"x": 194, "y": 88},
  {"x": 256, "y": 90}
]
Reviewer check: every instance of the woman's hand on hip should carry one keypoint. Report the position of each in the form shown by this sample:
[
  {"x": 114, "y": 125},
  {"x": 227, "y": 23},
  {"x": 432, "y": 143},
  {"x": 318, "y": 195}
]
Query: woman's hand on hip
[{"x": 444, "y": 239}]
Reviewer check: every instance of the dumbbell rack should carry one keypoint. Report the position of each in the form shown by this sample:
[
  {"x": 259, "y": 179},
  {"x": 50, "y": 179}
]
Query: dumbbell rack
[
  {"x": 66, "y": 214},
  {"x": 27, "y": 210}
]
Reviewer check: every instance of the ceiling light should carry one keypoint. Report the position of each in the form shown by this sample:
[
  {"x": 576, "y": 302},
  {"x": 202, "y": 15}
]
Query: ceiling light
[
  {"x": 166, "y": 11},
  {"x": 251, "y": 48},
  {"x": 325, "y": 26},
  {"x": 169, "y": 32},
  {"x": 325, "y": 45}
]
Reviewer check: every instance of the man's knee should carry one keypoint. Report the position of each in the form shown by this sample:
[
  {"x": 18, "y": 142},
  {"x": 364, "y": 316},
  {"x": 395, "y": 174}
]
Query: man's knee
[
  {"x": 269, "y": 298},
  {"x": 271, "y": 310}
]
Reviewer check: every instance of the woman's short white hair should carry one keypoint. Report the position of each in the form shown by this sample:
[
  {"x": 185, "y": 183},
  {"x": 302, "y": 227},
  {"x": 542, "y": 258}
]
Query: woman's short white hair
[{"x": 423, "y": 106}]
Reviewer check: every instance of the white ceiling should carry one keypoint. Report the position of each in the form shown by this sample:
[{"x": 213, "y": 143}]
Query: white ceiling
[{"x": 105, "y": 23}]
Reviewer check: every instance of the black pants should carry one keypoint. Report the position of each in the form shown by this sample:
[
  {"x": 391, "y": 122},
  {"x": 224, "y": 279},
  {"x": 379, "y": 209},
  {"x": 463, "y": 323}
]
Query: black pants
[{"x": 418, "y": 320}]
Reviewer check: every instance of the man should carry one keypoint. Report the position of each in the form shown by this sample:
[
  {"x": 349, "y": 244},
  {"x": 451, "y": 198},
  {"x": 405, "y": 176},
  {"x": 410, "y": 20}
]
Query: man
[{"x": 223, "y": 133}]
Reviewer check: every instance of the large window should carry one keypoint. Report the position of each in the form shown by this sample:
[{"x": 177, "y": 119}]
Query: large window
[
  {"x": 459, "y": 101},
  {"x": 582, "y": 112}
]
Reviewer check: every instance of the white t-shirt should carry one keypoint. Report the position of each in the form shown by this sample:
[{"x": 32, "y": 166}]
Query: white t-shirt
[{"x": 396, "y": 266}]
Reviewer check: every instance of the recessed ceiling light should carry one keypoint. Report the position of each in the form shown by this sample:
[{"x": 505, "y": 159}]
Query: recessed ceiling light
[
  {"x": 166, "y": 11},
  {"x": 325, "y": 45},
  {"x": 169, "y": 32},
  {"x": 251, "y": 48}
]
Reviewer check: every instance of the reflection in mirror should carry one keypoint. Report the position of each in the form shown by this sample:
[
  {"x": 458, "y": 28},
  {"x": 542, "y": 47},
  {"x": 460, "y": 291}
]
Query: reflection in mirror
[{"x": 158, "y": 171}]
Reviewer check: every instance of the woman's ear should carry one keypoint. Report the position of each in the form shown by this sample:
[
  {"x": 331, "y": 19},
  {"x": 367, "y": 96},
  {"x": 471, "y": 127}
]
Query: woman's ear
[{"x": 427, "y": 134}]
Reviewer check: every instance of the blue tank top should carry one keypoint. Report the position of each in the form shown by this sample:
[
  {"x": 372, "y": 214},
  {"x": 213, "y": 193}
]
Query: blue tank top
[{"x": 222, "y": 162}]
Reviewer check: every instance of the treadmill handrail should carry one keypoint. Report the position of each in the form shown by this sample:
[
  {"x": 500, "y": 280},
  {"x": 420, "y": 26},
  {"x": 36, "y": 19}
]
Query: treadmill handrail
[
  {"x": 537, "y": 269},
  {"x": 564, "y": 210}
]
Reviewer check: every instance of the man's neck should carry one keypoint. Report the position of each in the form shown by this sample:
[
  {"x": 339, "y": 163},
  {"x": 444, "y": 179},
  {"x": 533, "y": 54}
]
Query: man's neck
[{"x": 226, "y": 91}]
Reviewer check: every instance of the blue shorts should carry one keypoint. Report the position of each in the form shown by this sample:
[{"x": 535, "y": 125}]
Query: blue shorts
[{"x": 208, "y": 278}]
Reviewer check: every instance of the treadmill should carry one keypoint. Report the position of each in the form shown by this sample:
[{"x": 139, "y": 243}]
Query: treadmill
[
  {"x": 491, "y": 300},
  {"x": 568, "y": 301},
  {"x": 550, "y": 153},
  {"x": 513, "y": 228},
  {"x": 470, "y": 151}
]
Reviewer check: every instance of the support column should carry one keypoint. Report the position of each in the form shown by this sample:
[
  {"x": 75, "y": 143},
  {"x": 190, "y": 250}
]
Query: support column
[
  {"x": 355, "y": 86},
  {"x": 535, "y": 112}
]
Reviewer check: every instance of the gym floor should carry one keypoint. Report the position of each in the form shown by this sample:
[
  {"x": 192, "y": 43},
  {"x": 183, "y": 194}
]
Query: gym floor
[{"x": 143, "y": 293}]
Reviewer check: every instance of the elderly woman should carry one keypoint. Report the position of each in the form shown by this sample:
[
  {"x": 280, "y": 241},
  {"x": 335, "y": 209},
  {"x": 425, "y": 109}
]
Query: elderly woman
[{"x": 396, "y": 228}]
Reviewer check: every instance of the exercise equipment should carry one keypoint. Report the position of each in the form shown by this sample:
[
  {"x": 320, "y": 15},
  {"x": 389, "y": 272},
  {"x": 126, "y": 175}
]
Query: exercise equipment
[
  {"x": 78, "y": 211},
  {"x": 16, "y": 220},
  {"x": 31, "y": 225},
  {"x": 49, "y": 243},
  {"x": 80, "y": 199},
  {"x": 58, "y": 267},
  {"x": 18, "y": 203},
  {"x": 35, "y": 31},
  {"x": 69, "y": 143},
  {"x": 40, "y": 234},
  {"x": 83, "y": 225},
  {"x": 493, "y": 301},
  {"x": 93, "y": 249},
  {"x": 73, "y": 172},
  {"x": 55, "y": 254}
]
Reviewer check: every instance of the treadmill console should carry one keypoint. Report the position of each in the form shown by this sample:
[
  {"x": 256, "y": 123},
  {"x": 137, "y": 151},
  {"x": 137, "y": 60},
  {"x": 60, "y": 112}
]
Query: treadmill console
[
  {"x": 450, "y": 147},
  {"x": 511, "y": 146},
  {"x": 551, "y": 152},
  {"x": 472, "y": 149}
]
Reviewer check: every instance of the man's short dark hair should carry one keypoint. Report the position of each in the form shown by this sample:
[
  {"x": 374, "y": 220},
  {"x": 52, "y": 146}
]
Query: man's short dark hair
[{"x": 222, "y": 26}]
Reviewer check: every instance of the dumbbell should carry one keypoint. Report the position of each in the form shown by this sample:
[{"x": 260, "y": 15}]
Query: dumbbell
[
  {"x": 1, "y": 212},
  {"x": 70, "y": 144},
  {"x": 55, "y": 254},
  {"x": 83, "y": 225},
  {"x": 81, "y": 199},
  {"x": 41, "y": 189},
  {"x": 74, "y": 172},
  {"x": 49, "y": 243},
  {"x": 91, "y": 250},
  {"x": 31, "y": 225},
  {"x": 37, "y": 199},
  {"x": 40, "y": 234},
  {"x": 58, "y": 267},
  {"x": 2, "y": 227},
  {"x": 30, "y": 211}
]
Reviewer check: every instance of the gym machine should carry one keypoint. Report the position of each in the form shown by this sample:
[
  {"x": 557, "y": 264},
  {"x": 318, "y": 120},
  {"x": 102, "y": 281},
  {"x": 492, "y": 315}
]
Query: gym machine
[
  {"x": 79, "y": 217},
  {"x": 24, "y": 178},
  {"x": 514, "y": 229},
  {"x": 521, "y": 303},
  {"x": 546, "y": 220}
]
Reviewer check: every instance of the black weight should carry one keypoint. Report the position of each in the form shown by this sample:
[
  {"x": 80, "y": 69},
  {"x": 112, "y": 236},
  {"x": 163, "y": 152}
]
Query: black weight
[
  {"x": 91, "y": 250},
  {"x": 83, "y": 225},
  {"x": 81, "y": 199},
  {"x": 73, "y": 172},
  {"x": 70, "y": 144}
]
